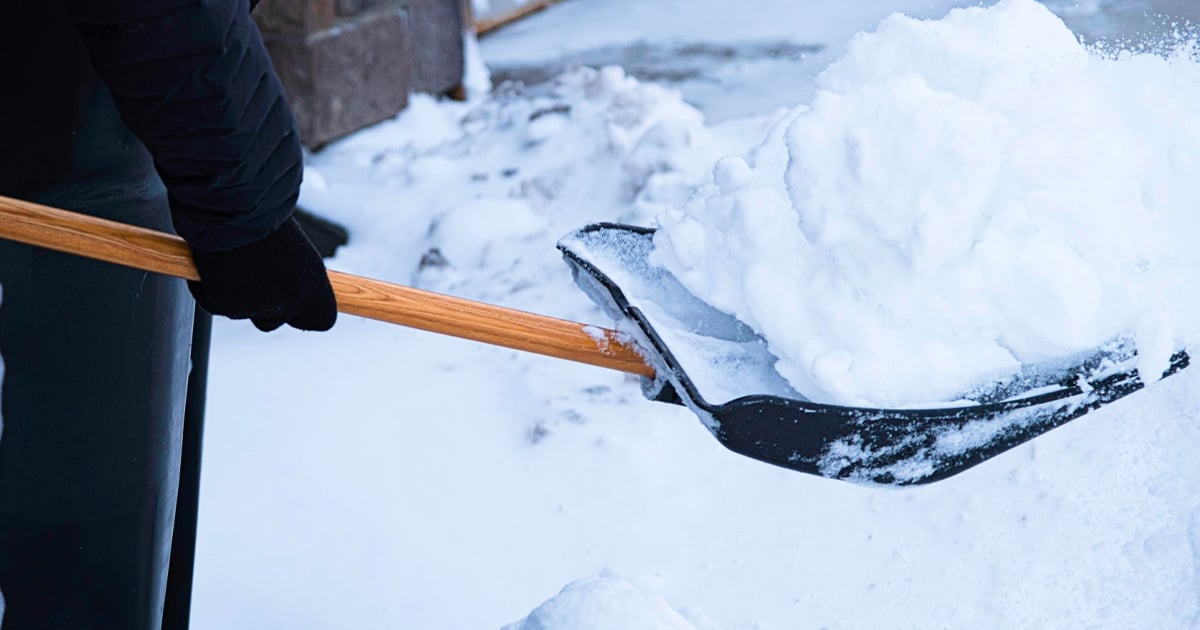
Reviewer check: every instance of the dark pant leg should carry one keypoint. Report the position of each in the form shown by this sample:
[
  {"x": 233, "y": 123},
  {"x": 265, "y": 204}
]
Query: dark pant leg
[
  {"x": 178, "y": 610},
  {"x": 96, "y": 364}
]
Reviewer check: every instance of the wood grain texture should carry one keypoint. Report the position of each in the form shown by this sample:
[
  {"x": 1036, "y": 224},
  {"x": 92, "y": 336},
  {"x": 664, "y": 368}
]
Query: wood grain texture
[
  {"x": 101, "y": 239},
  {"x": 149, "y": 250}
]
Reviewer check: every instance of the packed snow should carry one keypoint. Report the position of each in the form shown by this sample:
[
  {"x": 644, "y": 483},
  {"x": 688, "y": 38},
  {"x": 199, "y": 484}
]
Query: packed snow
[
  {"x": 380, "y": 477},
  {"x": 963, "y": 197}
]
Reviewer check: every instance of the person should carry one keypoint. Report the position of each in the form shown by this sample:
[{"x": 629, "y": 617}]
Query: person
[{"x": 160, "y": 113}]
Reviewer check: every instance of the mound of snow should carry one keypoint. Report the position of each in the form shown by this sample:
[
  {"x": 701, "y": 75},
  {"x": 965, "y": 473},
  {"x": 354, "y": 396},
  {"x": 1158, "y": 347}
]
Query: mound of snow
[
  {"x": 604, "y": 603},
  {"x": 963, "y": 197}
]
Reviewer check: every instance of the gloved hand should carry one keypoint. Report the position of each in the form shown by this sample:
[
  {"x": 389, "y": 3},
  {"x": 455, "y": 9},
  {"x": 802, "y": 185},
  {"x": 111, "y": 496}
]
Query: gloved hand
[{"x": 278, "y": 280}]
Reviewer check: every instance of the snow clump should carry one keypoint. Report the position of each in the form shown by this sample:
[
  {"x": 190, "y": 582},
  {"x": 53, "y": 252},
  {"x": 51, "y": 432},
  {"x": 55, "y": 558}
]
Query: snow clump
[{"x": 606, "y": 602}]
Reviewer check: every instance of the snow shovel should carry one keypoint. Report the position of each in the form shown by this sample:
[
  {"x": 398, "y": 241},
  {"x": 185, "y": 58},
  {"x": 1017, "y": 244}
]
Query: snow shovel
[
  {"x": 874, "y": 446},
  {"x": 722, "y": 370}
]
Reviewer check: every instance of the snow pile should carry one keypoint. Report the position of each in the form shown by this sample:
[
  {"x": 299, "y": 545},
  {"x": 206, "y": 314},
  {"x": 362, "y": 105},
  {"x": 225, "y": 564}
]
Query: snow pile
[
  {"x": 604, "y": 603},
  {"x": 484, "y": 189},
  {"x": 962, "y": 197}
]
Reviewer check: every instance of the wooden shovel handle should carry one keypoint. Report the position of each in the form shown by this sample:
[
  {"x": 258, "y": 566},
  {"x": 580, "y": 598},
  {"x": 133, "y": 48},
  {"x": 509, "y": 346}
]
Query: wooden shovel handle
[{"x": 150, "y": 250}]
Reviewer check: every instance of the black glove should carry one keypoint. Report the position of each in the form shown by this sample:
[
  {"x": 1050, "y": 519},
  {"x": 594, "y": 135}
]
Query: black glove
[{"x": 278, "y": 280}]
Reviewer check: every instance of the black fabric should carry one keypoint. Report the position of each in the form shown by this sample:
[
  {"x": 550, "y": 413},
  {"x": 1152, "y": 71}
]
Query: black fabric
[
  {"x": 39, "y": 116},
  {"x": 177, "y": 605},
  {"x": 194, "y": 83},
  {"x": 192, "y": 80},
  {"x": 96, "y": 366},
  {"x": 278, "y": 280},
  {"x": 96, "y": 355}
]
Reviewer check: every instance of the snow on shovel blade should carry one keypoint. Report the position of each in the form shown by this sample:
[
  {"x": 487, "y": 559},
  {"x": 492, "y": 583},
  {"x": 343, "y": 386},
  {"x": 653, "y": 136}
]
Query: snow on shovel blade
[{"x": 702, "y": 355}]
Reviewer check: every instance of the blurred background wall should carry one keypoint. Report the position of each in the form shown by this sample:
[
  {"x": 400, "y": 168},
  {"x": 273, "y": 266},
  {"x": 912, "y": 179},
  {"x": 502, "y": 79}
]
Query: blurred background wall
[{"x": 347, "y": 64}]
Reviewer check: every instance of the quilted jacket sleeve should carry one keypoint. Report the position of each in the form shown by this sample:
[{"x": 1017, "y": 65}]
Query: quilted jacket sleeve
[{"x": 193, "y": 81}]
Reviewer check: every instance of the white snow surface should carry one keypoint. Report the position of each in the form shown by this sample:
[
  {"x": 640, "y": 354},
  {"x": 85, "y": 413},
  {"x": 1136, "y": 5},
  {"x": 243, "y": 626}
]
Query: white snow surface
[
  {"x": 588, "y": 24},
  {"x": 603, "y": 603},
  {"x": 962, "y": 198},
  {"x": 380, "y": 477},
  {"x": 734, "y": 59}
]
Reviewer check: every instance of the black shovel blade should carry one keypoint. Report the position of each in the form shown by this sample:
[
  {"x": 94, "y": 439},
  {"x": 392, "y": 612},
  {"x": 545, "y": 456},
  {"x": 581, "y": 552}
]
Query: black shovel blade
[{"x": 762, "y": 417}]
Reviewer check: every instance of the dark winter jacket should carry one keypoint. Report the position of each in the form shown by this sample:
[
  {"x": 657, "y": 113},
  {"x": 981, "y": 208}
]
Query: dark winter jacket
[{"x": 190, "y": 78}]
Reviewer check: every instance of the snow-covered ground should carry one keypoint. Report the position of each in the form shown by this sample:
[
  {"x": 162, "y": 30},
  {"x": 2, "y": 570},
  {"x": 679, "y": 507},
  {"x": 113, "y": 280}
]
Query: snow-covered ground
[{"x": 380, "y": 477}]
